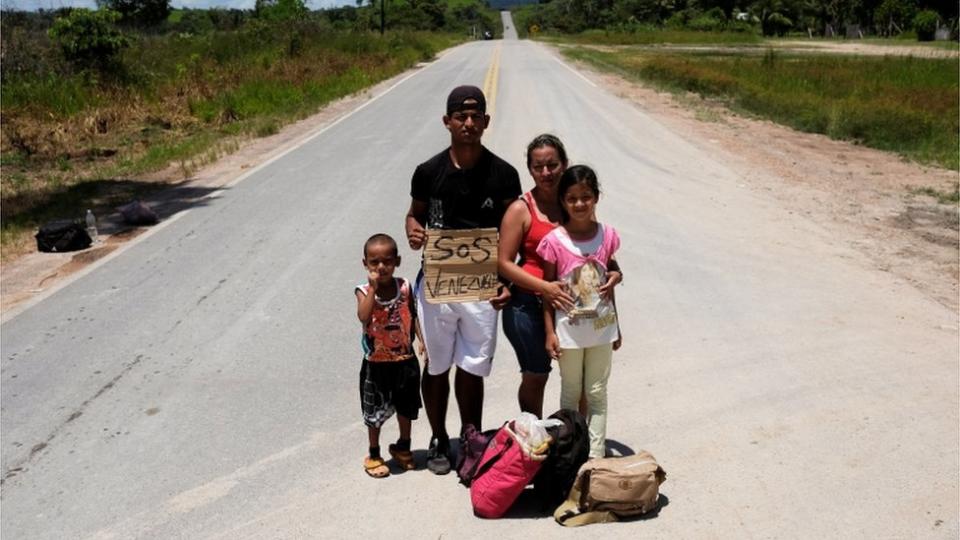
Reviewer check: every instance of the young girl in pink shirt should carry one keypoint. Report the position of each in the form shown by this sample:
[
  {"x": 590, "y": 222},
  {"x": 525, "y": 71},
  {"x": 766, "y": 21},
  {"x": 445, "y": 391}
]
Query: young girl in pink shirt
[{"x": 583, "y": 339}]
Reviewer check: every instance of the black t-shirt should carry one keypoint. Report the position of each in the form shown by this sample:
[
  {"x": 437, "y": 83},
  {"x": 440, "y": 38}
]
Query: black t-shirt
[{"x": 465, "y": 198}]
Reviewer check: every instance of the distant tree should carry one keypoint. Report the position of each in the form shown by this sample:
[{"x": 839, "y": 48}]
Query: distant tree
[
  {"x": 862, "y": 12},
  {"x": 280, "y": 10},
  {"x": 432, "y": 9},
  {"x": 839, "y": 13},
  {"x": 342, "y": 17},
  {"x": 894, "y": 12},
  {"x": 139, "y": 12},
  {"x": 713, "y": 20},
  {"x": 650, "y": 11},
  {"x": 227, "y": 19},
  {"x": 573, "y": 16},
  {"x": 776, "y": 24},
  {"x": 465, "y": 16},
  {"x": 195, "y": 21},
  {"x": 727, "y": 6},
  {"x": 89, "y": 38},
  {"x": 925, "y": 23},
  {"x": 776, "y": 16}
]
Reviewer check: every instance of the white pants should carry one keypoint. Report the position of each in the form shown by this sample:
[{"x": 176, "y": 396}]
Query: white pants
[{"x": 464, "y": 334}]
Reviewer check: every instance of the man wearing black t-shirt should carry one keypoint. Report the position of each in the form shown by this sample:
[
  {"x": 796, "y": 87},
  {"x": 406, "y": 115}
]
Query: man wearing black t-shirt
[{"x": 463, "y": 187}]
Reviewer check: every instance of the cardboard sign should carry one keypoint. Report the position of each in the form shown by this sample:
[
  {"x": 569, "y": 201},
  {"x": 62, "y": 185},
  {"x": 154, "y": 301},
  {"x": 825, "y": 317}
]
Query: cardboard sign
[{"x": 460, "y": 265}]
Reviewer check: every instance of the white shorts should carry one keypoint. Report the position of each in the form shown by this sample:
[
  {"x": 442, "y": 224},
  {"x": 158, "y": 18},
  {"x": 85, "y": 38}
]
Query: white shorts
[{"x": 464, "y": 334}]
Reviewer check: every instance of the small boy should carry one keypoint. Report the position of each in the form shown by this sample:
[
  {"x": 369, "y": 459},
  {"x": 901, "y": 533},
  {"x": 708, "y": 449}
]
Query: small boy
[{"x": 390, "y": 373}]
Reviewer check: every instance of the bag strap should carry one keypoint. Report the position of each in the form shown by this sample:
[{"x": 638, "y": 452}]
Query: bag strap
[
  {"x": 569, "y": 514},
  {"x": 486, "y": 465},
  {"x": 572, "y": 518}
]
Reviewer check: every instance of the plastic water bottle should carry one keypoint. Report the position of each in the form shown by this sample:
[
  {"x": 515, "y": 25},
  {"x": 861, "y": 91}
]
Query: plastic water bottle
[{"x": 91, "y": 225}]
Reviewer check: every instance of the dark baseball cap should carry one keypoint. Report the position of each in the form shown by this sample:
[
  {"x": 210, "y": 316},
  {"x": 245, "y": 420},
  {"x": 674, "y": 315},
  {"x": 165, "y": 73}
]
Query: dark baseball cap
[{"x": 459, "y": 96}]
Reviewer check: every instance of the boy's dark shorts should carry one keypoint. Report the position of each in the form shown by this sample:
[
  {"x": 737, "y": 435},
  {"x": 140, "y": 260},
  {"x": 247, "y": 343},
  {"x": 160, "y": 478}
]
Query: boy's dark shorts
[
  {"x": 524, "y": 327},
  {"x": 388, "y": 387}
]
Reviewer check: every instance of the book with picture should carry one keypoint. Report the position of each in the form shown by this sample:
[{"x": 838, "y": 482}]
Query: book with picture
[{"x": 584, "y": 284}]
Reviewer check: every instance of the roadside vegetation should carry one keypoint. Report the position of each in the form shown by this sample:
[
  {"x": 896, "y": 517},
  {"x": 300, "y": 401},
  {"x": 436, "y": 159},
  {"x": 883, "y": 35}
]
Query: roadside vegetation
[
  {"x": 98, "y": 105},
  {"x": 943, "y": 197},
  {"x": 654, "y": 37},
  {"x": 921, "y": 19},
  {"x": 720, "y": 49},
  {"x": 95, "y": 101},
  {"x": 901, "y": 104}
]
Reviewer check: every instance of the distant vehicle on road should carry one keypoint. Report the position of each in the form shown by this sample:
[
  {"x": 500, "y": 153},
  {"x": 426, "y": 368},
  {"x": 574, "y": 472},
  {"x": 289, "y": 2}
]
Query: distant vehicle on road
[{"x": 487, "y": 34}]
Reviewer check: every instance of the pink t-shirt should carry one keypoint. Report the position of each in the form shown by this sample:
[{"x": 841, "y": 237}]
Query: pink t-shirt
[
  {"x": 557, "y": 247},
  {"x": 583, "y": 267}
]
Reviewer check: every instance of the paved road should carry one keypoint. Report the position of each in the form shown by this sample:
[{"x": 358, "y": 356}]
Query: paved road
[{"x": 203, "y": 382}]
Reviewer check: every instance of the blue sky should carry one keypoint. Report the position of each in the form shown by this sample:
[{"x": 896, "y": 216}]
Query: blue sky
[{"x": 31, "y": 5}]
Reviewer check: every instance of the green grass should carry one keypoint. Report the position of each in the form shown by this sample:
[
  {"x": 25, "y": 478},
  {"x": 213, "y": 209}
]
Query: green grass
[
  {"x": 175, "y": 99},
  {"x": 655, "y": 37},
  {"x": 55, "y": 94},
  {"x": 176, "y": 15},
  {"x": 163, "y": 152},
  {"x": 901, "y": 104},
  {"x": 943, "y": 197}
]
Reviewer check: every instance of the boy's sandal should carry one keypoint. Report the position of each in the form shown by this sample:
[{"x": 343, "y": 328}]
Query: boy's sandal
[
  {"x": 376, "y": 467},
  {"x": 403, "y": 457}
]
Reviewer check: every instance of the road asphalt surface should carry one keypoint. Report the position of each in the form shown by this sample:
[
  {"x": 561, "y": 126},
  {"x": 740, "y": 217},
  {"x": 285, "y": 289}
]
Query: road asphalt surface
[{"x": 203, "y": 382}]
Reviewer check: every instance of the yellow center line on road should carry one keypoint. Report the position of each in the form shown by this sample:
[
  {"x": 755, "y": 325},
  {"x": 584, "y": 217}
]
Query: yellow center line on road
[{"x": 490, "y": 81}]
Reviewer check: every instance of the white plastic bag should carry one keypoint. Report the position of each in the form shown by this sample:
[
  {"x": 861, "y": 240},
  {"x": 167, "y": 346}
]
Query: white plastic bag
[{"x": 531, "y": 432}]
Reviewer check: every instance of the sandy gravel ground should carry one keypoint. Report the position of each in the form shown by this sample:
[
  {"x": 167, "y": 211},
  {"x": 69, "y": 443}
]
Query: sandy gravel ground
[
  {"x": 801, "y": 47},
  {"x": 868, "y": 49},
  {"x": 866, "y": 197}
]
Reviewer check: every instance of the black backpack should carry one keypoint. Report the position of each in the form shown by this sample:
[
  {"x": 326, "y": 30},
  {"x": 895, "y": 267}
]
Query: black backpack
[
  {"x": 62, "y": 235},
  {"x": 570, "y": 450}
]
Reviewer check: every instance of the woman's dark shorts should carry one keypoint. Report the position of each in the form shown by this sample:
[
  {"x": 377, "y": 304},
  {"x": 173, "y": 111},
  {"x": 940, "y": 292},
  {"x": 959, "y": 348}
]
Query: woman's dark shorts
[
  {"x": 523, "y": 325},
  {"x": 388, "y": 387}
]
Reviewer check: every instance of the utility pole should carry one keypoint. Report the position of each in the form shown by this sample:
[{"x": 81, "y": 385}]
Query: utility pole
[{"x": 383, "y": 16}]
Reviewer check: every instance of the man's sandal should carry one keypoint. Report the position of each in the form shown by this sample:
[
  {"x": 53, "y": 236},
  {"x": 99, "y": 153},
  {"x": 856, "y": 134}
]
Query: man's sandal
[
  {"x": 376, "y": 467},
  {"x": 403, "y": 457}
]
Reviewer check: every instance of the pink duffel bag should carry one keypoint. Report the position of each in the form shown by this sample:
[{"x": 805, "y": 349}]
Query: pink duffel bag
[{"x": 505, "y": 469}]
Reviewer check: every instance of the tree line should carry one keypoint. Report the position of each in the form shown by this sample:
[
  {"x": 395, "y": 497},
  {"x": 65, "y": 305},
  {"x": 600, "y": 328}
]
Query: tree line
[
  {"x": 769, "y": 17},
  {"x": 93, "y": 39}
]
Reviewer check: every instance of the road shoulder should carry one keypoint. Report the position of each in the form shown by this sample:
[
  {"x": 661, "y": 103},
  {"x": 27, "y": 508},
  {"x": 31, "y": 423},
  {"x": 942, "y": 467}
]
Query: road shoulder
[{"x": 34, "y": 276}]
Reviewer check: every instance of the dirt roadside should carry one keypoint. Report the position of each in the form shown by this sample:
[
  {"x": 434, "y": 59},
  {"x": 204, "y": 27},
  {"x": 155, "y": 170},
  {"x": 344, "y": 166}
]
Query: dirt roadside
[
  {"x": 810, "y": 47},
  {"x": 35, "y": 275},
  {"x": 867, "y": 49},
  {"x": 871, "y": 200},
  {"x": 868, "y": 198}
]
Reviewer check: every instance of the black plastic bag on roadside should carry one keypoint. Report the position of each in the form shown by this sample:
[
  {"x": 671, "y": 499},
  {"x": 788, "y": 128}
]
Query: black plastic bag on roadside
[
  {"x": 62, "y": 235},
  {"x": 137, "y": 213}
]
